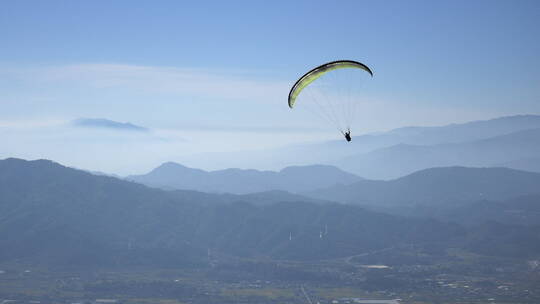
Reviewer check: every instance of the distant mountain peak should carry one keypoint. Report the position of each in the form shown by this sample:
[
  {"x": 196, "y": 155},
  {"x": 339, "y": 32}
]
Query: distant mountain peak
[
  {"x": 167, "y": 168},
  {"x": 171, "y": 165}
]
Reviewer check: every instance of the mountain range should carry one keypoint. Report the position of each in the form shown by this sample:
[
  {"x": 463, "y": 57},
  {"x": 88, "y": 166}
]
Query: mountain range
[
  {"x": 437, "y": 186},
  {"x": 395, "y": 153},
  {"x": 398, "y": 160},
  {"x": 325, "y": 183},
  {"x": 62, "y": 215},
  {"x": 292, "y": 179},
  {"x": 510, "y": 142},
  {"x": 58, "y": 215}
]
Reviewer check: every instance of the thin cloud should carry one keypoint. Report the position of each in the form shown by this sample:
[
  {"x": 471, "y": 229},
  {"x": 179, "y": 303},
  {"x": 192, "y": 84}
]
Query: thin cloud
[
  {"x": 232, "y": 85},
  {"x": 107, "y": 124},
  {"x": 250, "y": 128}
]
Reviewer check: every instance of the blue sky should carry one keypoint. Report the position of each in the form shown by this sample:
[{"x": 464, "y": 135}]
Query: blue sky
[{"x": 209, "y": 76}]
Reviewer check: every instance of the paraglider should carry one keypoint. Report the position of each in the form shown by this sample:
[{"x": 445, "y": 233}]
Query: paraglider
[
  {"x": 331, "y": 92},
  {"x": 347, "y": 135}
]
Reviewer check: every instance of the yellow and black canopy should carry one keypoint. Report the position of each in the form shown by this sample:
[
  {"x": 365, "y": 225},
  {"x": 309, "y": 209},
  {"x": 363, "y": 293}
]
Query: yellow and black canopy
[{"x": 319, "y": 71}]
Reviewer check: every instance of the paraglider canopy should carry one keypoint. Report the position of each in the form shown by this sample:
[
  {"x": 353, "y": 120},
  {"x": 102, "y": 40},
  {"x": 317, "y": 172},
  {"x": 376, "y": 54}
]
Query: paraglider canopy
[
  {"x": 333, "y": 92},
  {"x": 319, "y": 71}
]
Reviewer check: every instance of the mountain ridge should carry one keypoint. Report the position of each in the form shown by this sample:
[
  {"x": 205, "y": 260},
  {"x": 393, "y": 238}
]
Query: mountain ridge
[
  {"x": 435, "y": 185},
  {"x": 402, "y": 159},
  {"x": 171, "y": 175},
  {"x": 52, "y": 213},
  {"x": 333, "y": 151}
]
